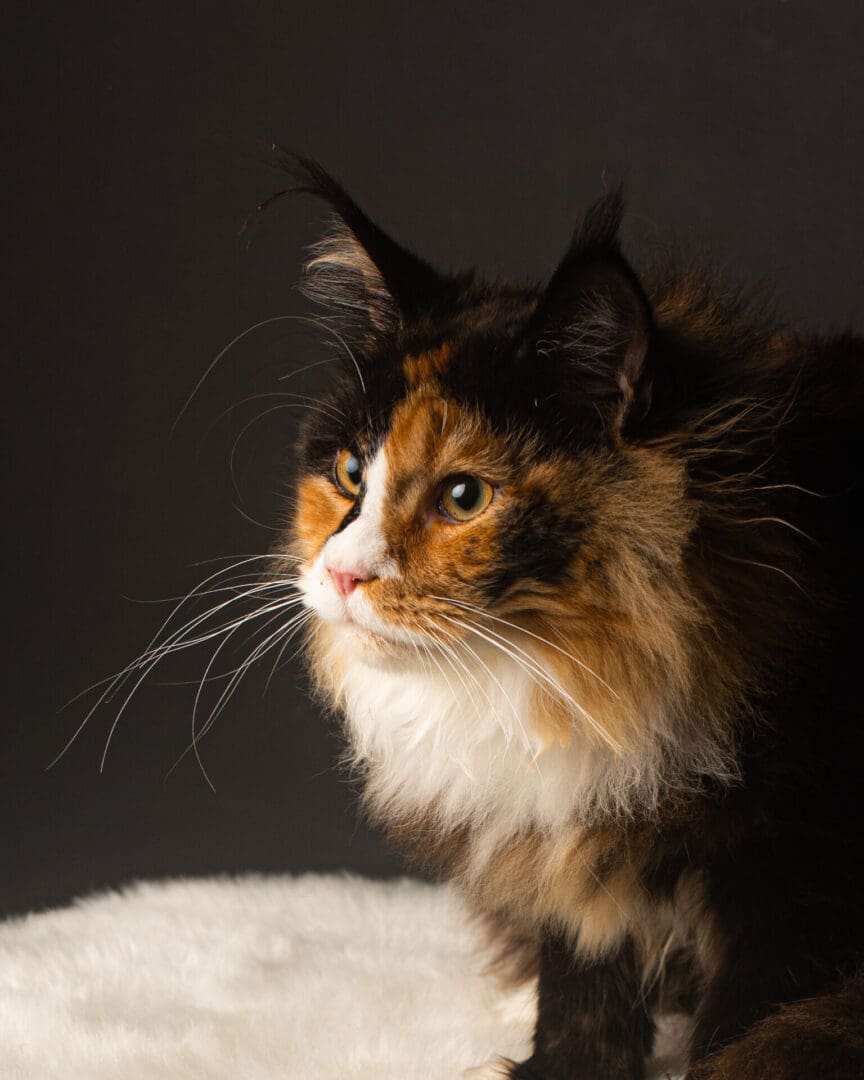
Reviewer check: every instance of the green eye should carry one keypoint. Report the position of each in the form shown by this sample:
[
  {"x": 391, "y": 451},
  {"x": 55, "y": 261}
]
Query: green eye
[
  {"x": 349, "y": 473},
  {"x": 463, "y": 497}
]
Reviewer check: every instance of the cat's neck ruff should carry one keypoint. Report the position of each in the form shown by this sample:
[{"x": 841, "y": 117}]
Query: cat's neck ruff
[{"x": 453, "y": 736}]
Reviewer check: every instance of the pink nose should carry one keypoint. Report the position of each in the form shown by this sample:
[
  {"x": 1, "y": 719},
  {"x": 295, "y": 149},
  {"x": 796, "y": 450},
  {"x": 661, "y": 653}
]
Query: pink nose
[{"x": 346, "y": 580}]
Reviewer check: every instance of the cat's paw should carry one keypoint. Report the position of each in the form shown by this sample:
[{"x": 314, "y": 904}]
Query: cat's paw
[{"x": 497, "y": 1069}]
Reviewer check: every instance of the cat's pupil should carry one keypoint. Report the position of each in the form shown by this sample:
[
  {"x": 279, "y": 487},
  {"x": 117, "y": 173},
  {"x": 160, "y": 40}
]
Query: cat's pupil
[
  {"x": 465, "y": 493},
  {"x": 353, "y": 471}
]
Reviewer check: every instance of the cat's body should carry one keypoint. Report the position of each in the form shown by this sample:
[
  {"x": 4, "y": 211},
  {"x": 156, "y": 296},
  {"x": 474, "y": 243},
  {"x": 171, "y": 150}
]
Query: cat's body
[{"x": 587, "y": 577}]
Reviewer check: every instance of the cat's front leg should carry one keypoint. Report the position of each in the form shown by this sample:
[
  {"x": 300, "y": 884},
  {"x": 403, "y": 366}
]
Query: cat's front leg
[{"x": 592, "y": 1023}]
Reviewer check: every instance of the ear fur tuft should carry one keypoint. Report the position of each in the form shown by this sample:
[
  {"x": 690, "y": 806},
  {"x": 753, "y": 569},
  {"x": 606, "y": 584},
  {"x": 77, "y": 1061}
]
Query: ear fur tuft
[
  {"x": 597, "y": 232},
  {"x": 356, "y": 269}
]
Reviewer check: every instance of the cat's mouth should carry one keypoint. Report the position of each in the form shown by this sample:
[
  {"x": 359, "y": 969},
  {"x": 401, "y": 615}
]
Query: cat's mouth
[
  {"x": 377, "y": 645},
  {"x": 373, "y": 628},
  {"x": 371, "y": 634}
]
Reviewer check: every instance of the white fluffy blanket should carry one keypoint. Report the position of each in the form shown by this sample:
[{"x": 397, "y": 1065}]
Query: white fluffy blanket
[{"x": 291, "y": 978}]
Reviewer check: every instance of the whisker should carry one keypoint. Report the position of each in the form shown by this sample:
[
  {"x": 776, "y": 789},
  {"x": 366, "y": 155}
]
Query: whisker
[
  {"x": 774, "y": 521},
  {"x": 464, "y": 644},
  {"x": 246, "y": 558},
  {"x": 113, "y": 681},
  {"x": 273, "y": 408},
  {"x": 764, "y": 566},
  {"x": 176, "y": 646},
  {"x": 353, "y": 359},
  {"x": 254, "y": 521},
  {"x": 479, "y": 611},
  {"x": 231, "y": 688},
  {"x": 308, "y": 320},
  {"x": 308, "y": 367},
  {"x": 334, "y": 412},
  {"x": 538, "y": 670},
  {"x": 237, "y": 674},
  {"x": 234, "y": 341},
  {"x": 289, "y": 628},
  {"x": 280, "y": 654},
  {"x": 466, "y": 686},
  {"x": 526, "y": 740},
  {"x": 447, "y": 651}
]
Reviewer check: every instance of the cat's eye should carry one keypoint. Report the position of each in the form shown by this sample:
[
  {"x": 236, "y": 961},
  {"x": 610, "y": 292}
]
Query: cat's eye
[
  {"x": 463, "y": 497},
  {"x": 348, "y": 473}
]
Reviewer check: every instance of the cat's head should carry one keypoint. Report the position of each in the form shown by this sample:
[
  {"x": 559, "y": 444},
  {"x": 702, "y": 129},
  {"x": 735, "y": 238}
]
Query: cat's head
[{"x": 479, "y": 474}]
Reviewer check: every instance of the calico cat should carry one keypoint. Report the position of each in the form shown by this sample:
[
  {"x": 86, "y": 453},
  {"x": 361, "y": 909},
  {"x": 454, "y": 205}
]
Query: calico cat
[{"x": 584, "y": 567}]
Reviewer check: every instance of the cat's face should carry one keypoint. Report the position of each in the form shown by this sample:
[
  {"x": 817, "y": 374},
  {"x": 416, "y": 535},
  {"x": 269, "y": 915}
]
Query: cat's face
[
  {"x": 467, "y": 494},
  {"x": 410, "y": 528},
  {"x": 407, "y": 530}
]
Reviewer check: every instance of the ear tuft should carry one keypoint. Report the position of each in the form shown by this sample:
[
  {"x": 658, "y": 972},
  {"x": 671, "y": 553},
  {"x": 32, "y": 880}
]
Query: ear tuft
[
  {"x": 357, "y": 270},
  {"x": 597, "y": 232},
  {"x": 341, "y": 276}
]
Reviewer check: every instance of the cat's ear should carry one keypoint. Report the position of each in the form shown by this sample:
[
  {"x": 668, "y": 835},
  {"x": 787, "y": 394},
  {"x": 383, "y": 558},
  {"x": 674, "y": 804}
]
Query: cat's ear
[
  {"x": 595, "y": 318},
  {"x": 356, "y": 270}
]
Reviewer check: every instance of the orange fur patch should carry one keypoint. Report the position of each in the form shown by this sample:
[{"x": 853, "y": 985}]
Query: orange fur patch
[
  {"x": 425, "y": 366},
  {"x": 320, "y": 509}
]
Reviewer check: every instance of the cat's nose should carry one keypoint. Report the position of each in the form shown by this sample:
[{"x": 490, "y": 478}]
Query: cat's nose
[{"x": 346, "y": 581}]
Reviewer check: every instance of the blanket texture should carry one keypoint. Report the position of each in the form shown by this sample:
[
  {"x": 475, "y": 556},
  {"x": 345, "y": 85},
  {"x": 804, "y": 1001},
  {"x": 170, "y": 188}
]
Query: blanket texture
[{"x": 291, "y": 978}]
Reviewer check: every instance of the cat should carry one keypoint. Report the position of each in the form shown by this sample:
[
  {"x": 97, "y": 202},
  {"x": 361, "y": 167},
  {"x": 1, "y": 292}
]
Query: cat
[{"x": 583, "y": 567}]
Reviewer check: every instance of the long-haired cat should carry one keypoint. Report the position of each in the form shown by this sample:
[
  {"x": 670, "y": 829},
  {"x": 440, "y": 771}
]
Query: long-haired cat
[{"x": 584, "y": 566}]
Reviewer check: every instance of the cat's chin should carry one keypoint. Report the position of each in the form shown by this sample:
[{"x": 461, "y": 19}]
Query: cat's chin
[{"x": 375, "y": 648}]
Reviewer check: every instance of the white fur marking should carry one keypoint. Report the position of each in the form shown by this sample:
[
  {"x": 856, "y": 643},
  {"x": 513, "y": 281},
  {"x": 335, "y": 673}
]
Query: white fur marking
[
  {"x": 431, "y": 738},
  {"x": 361, "y": 546}
]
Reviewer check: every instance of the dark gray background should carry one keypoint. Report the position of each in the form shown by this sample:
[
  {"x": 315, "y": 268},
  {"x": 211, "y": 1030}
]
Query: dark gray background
[{"x": 475, "y": 133}]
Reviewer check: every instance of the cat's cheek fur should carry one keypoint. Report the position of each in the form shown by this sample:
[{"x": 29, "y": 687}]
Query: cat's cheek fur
[{"x": 319, "y": 593}]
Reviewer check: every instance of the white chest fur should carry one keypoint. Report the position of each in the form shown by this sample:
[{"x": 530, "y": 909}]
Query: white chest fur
[{"x": 455, "y": 736}]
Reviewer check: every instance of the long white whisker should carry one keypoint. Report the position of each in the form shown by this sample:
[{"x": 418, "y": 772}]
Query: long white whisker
[
  {"x": 270, "y": 642},
  {"x": 443, "y": 674},
  {"x": 333, "y": 411},
  {"x": 464, "y": 644},
  {"x": 263, "y": 647},
  {"x": 774, "y": 521},
  {"x": 254, "y": 521},
  {"x": 764, "y": 566},
  {"x": 508, "y": 646},
  {"x": 281, "y": 653},
  {"x": 462, "y": 678},
  {"x": 237, "y": 674},
  {"x": 179, "y": 639},
  {"x": 229, "y": 690},
  {"x": 353, "y": 359},
  {"x": 521, "y": 629},
  {"x": 178, "y": 645},
  {"x": 236, "y": 341},
  {"x": 115, "y": 681},
  {"x": 307, "y": 367},
  {"x": 449, "y": 652},
  {"x": 472, "y": 652},
  {"x": 251, "y": 423}
]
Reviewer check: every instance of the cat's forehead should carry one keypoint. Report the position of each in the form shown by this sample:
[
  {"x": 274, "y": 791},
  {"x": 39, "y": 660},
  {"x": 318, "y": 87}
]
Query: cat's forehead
[
  {"x": 430, "y": 432},
  {"x": 458, "y": 393},
  {"x": 477, "y": 379}
]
